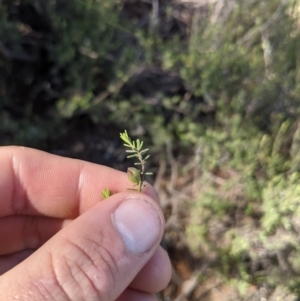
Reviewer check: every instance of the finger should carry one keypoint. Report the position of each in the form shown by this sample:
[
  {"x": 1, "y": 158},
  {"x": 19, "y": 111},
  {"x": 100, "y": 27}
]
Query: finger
[
  {"x": 20, "y": 232},
  {"x": 149, "y": 190},
  {"x": 8, "y": 262},
  {"x": 33, "y": 182},
  {"x": 95, "y": 257},
  {"x": 134, "y": 295},
  {"x": 155, "y": 275}
]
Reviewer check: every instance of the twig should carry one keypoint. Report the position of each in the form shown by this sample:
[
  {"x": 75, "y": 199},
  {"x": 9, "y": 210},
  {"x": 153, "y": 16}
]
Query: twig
[
  {"x": 154, "y": 16},
  {"x": 263, "y": 27},
  {"x": 174, "y": 173}
]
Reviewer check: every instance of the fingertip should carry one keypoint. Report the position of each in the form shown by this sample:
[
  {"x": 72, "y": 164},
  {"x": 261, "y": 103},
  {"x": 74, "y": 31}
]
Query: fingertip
[
  {"x": 155, "y": 275},
  {"x": 139, "y": 223},
  {"x": 151, "y": 192}
]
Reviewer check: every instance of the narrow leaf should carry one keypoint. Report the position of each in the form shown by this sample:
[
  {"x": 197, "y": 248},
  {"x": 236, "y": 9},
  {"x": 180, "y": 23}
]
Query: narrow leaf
[
  {"x": 144, "y": 150},
  {"x": 138, "y": 143},
  {"x": 131, "y": 156}
]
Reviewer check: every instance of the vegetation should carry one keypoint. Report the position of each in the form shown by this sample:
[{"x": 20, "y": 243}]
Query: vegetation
[
  {"x": 136, "y": 150},
  {"x": 212, "y": 88},
  {"x": 136, "y": 176}
]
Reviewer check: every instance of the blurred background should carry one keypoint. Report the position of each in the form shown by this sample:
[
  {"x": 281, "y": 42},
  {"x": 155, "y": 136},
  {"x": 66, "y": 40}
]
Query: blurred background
[{"x": 211, "y": 86}]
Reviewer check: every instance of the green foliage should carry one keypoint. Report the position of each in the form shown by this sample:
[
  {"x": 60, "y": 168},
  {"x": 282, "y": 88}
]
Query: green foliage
[
  {"x": 135, "y": 175},
  {"x": 227, "y": 86},
  {"x": 281, "y": 203},
  {"x": 106, "y": 193},
  {"x": 136, "y": 150},
  {"x": 248, "y": 177},
  {"x": 60, "y": 52}
]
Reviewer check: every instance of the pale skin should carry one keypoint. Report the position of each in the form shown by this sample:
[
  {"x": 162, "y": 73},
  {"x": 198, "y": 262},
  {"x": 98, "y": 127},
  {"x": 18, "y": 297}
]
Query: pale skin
[{"x": 57, "y": 238}]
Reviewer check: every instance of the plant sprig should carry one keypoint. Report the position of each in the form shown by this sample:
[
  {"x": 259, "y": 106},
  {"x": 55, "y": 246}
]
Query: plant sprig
[
  {"x": 136, "y": 176},
  {"x": 106, "y": 193}
]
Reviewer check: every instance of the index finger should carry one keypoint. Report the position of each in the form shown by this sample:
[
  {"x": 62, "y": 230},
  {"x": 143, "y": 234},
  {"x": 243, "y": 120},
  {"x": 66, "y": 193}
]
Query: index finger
[{"x": 33, "y": 182}]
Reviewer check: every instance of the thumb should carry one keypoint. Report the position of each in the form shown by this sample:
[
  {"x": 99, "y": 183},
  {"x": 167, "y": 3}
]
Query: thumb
[{"x": 95, "y": 257}]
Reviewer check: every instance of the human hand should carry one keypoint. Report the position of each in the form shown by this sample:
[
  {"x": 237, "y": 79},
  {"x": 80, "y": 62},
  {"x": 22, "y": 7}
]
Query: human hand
[{"x": 58, "y": 242}]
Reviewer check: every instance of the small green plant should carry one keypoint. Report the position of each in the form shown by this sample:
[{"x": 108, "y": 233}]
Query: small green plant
[
  {"x": 136, "y": 176},
  {"x": 106, "y": 193}
]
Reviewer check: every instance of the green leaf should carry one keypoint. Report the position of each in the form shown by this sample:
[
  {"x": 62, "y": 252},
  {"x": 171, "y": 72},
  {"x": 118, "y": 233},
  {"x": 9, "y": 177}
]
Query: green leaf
[
  {"x": 131, "y": 156},
  {"x": 134, "y": 175},
  {"x": 106, "y": 193},
  {"x": 144, "y": 150}
]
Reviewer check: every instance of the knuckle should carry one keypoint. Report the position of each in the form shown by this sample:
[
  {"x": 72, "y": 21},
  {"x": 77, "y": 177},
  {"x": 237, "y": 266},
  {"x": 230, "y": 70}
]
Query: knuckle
[
  {"x": 86, "y": 269},
  {"x": 45, "y": 288}
]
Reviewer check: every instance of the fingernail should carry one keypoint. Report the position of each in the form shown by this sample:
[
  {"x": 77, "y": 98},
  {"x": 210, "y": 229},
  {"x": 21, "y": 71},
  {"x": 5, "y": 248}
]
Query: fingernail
[{"x": 138, "y": 223}]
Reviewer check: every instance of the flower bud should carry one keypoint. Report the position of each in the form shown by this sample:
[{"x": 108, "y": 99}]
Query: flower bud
[{"x": 134, "y": 175}]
